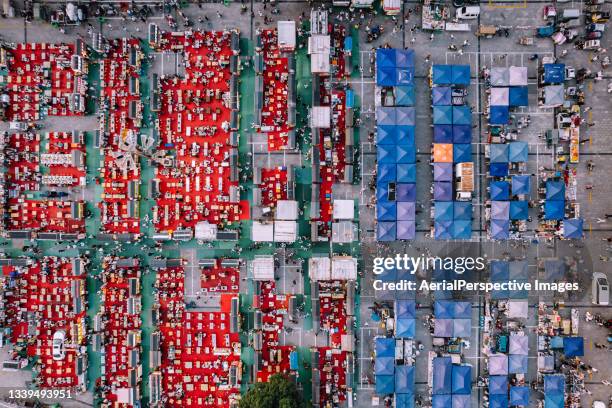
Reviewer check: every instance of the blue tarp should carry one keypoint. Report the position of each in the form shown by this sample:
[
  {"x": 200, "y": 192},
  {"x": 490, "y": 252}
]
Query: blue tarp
[
  {"x": 498, "y": 401},
  {"x": 462, "y": 152},
  {"x": 406, "y": 229},
  {"x": 443, "y": 134},
  {"x": 499, "y": 115},
  {"x": 404, "y": 379},
  {"x": 462, "y": 115},
  {"x": 462, "y": 229},
  {"x": 443, "y": 229},
  {"x": 385, "y": 347},
  {"x": 405, "y": 115},
  {"x": 519, "y": 270},
  {"x": 385, "y": 57},
  {"x": 519, "y": 96},
  {"x": 404, "y": 400},
  {"x": 499, "y": 153},
  {"x": 462, "y": 134},
  {"x": 443, "y": 172},
  {"x": 404, "y": 76},
  {"x": 554, "y": 210},
  {"x": 386, "y": 154},
  {"x": 462, "y": 310},
  {"x": 386, "y": 231},
  {"x": 519, "y": 152},
  {"x": 462, "y": 210},
  {"x": 404, "y": 135},
  {"x": 405, "y": 192},
  {"x": 519, "y": 210},
  {"x": 385, "y": 76},
  {"x": 442, "y": 115},
  {"x": 386, "y": 134},
  {"x": 405, "y": 309},
  {"x": 498, "y": 385},
  {"x": 386, "y": 172},
  {"x": 444, "y": 309},
  {"x": 441, "y": 401},
  {"x": 554, "y": 384},
  {"x": 500, "y": 190},
  {"x": 404, "y": 95},
  {"x": 386, "y": 211},
  {"x": 500, "y": 271},
  {"x": 461, "y": 379},
  {"x": 443, "y": 328},
  {"x": 554, "y": 401},
  {"x": 500, "y": 229},
  {"x": 405, "y": 154},
  {"x": 404, "y": 58},
  {"x": 519, "y": 396},
  {"x": 554, "y": 73},
  {"x": 443, "y": 191},
  {"x": 385, "y": 115},
  {"x": 461, "y": 74},
  {"x": 406, "y": 211},
  {"x": 384, "y": 365},
  {"x": 442, "y": 74},
  {"x": 517, "y": 364},
  {"x": 406, "y": 173},
  {"x": 462, "y": 328},
  {"x": 500, "y": 210},
  {"x": 443, "y": 211},
  {"x": 573, "y": 346},
  {"x": 442, "y": 367},
  {"x": 521, "y": 185},
  {"x": 498, "y": 169},
  {"x": 572, "y": 228},
  {"x": 462, "y": 401},
  {"x": 441, "y": 95},
  {"x": 385, "y": 384}
]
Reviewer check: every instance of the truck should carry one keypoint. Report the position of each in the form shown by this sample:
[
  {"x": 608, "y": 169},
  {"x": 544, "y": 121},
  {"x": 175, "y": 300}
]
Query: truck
[{"x": 464, "y": 180}]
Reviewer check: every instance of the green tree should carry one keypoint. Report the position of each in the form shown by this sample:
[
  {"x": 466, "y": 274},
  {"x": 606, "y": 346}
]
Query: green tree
[{"x": 278, "y": 392}]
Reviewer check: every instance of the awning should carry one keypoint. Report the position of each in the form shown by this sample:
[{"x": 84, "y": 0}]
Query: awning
[{"x": 555, "y": 190}]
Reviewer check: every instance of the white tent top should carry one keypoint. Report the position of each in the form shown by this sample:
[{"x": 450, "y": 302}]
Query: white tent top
[
  {"x": 320, "y": 64},
  {"x": 204, "y": 231},
  {"x": 285, "y": 231},
  {"x": 319, "y": 44},
  {"x": 344, "y": 268},
  {"x": 320, "y": 117},
  {"x": 518, "y": 76},
  {"x": 262, "y": 232},
  {"x": 500, "y": 96},
  {"x": 343, "y": 231},
  {"x": 344, "y": 209},
  {"x": 517, "y": 308},
  {"x": 286, "y": 210},
  {"x": 286, "y": 35},
  {"x": 319, "y": 268},
  {"x": 263, "y": 267}
]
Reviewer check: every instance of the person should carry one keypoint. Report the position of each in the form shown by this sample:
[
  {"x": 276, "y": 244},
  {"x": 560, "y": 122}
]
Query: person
[{"x": 533, "y": 57}]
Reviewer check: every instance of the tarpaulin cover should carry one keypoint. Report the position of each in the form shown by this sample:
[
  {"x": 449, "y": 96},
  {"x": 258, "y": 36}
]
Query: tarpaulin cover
[
  {"x": 500, "y": 96},
  {"x": 554, "y": 384},
  {"x": 441, "y": 401},
  {"x": 443, "y": 134},
  {"x": 406, "y": 229},
  {"x": 405, "y": 154},
  {"x": 385, "y": 76},
  {"x": 519, "y": 345},
  {"x": 462, "y": 115},
  {"x": 519, "y": 96},
  {"x": 518, "y": 76},
  {"x": 405, "y": 309},
  {"x": 462, "y": 310},
  {"x": 519, "y": 210},
  {"x": 518, "y": 152},
  {"x": 554, "y": 269},
  {"x": 443, "y": 211},
  {"x": 405, "y": 192},
  {"x": 498, "y": 169},
  {"x": 441, "y": 95},
  {"x": 517, "y": 364},
  {"x": 406, "y": 211},
  {"x": 384, "y": 365},
  {"x": 442, "y": 115},
  {"x": 461, "y": 379},
  {"x": 462, "y": 401},
  {"x": 462, "y": 210},
  {"x": 519, "y": 270},
  {"x": 443, "y": 153},
  {"x": 443, "y": 191},
  {"x": 386, "y": 172},
  {"x": 554, "y": 95},
  {"x": 386, "y": 211},
  {"x": 406, "y": 172},
  {"x": 500, "y": 77},
  {"x": 498, "y": 364},
  {"x": 572, "y": 228},
  {"x": 385, "y": 57},
  {"x": 462, "y": 229},
  {"x": 443, "y": 172},
  {"x": 519, "y": 396},
  {"x": 442, "y": 74},
  {"x": 498, "y": 385},
  {"x": 405, "y": 328},
  {"x": 405, "y": 115},
  {"x": 404, "y": 58},
  {"x": 554, "y": 73},
  {"x": 573, "y": 346},
  {"x": 554, "y": 401},
  {"x": 382, "y": 191},
  {"x": 385, "y": 384},
  {"x": 385, "y": 347},
  {"x": 385, "y": 115},
  {"x": 462, "y": 327},
  {"x": 500, "y": 229},
  {"x": 404, "y": 400},
  {"x": 386, "y": 154},
  {"x": 442, "y": 368},
  {"x": 500, "y": 210},
  {"x": 499, "y": 115},
  {"x": 500, "y": 271},
  {"x": 462, "y": 152},
  {"x": 500, "y": 190},
  {"x": 462, "y": 134},
  {"x": 404, "y": 95},
  {"x": 521, "y": 185},
  {"x": 461, "y": 74},
  {"x": 554, "y": 210},
  {"x": 404, "y": 379},
  {"x": 404, "y": 76},
  {"x": 386, "y": 134},
  {"x": 499, "y": 153},
  {"x": 386, "y": 231},
  {"x": 498, "y": 401},
  {"x": 404, "y": 134}
]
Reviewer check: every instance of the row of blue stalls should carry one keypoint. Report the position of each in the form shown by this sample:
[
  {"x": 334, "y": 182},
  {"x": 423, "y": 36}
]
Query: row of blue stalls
[
  {"x": 554, "y": 213},
  {"x": 452, "y": 138},
  {"x": 395, "y": 145},
  {"x": 393, "y": 378},
  {"x": 451, "y": 385},
  {"x": 452, "y": 319}
]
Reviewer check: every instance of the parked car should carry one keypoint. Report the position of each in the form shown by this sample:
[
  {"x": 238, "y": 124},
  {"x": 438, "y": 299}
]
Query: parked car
[
  {"x": 468, "y": 12},
  {"x": 600, "y": 289},
  {"x": 593, "y": 35},
  {"x": 596, "y": 27},
  {"x": 59, "y": 337}
]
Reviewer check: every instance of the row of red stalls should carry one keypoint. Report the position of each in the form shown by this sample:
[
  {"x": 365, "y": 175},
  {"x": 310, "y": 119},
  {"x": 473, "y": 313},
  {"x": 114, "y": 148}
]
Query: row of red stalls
[
  {"x": 197, "y": 119},
  {"x": 120, "y": 121},
  {"x": 196, "y": 353},
  {"x": 44, "y": 299}
]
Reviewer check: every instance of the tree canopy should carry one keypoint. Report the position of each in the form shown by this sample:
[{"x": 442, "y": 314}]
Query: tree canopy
[{"x": 278, "y": 392}]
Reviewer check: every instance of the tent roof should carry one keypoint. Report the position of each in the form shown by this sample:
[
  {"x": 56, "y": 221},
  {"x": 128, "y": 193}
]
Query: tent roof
[
  {"x": 498, "y": 169},
  {"x": 500, "y": 229},
  {"x": 443, "y": 229},
  {"x": 500, "y": 76},
  {"x": 443, "y": 210},
  {"x": 498, "y": 384},
  {"x": 385, "y": 347},
  {"x": 442, "y": 74},
  {"x": 386, "y": 172},
  {"x": 441, "y": 401},
  {"x": 443, "y": 171},
  {"x": 386, "y": 231},
  {"x": 500, "y": 96},
  {"x": 500, "y": 210},
  {"x": 572, "y": 228},
  {"x": 554, "y": 73},
  {"x": 554, "y": 401},
  {"x": 442, "y": 367},
  {"x": 498, "y": 401},
  {"x": 404, "y": 95},
  {"x": 462, "y": 229},
  {"x": 405, "y": 115},
  {"x": 554, "y": 95},
  {"x": 386, "y": 134},
  {"x": 461, "y": 401},
  {"x": 444, "y": 309},
  {"x": 500, "y": 190},
  {"x": 519, "y": 96},
  {"x": 461, "y": 379},
  {"x": 519, "y": 345},
  {"x": 406, "y": 172},
  {"x": 443, "y": 191},
  {"x": 519, "y": 210},
  {"x": 519, "y": 396},
  {"x": 462, "y": 210},
  {"x": 554, "y": 384},
  {"x": 555, "y": 190},
  {"x": 405, "y": 192},
  {"x": 384, "y": 365},
  {"x": 404, "y": 58},
  {"x": 405, "y": 328},
  {"x": 406, "y": 211},
  {"x": 386, "y": 154},
  {"x": 406, "y": 229},
  {"x": 500, "y": 271},
  {"x": 554, "y": 269},
  {"x": 499, "y": 115},
  {"x": 405, "y": 309},
  {"x": 462, "y": 327},
  {"x": 462, "y": 310},
  {"x": 461, "y": 74},
  {"x": 385, "y": 76},
  {"x": 441, "y": 95},
  {"x": 462, "y": 115},
  {"x": 573, "y": 346},
  {"x": 404, "y": 379},
  {"x": 518, "y": 152},
  {"x": 443, "y": 134},
  {"x": 517, "y": 76},
  {"x": 443, "y": 153},
  {"x": 404, "y": 400},
  {"x": 462, "y": 134},
  {"x": 386, "y": 211},
  {"x": 442, "y": 115},
  {"x": 385, "y": 384},
  {"x": 517, "y": 364},
  {"x": 462, "y": 152},
  {"x": 405, "y": 154},
  {"x": 499, "y": 153},
  {"x": 385, "y": 57},
  {"x": 385, "y": 115},
  {"x": 519, "y": 270},
  {"x": 554, "y": 210},
  {"x": 498, "y": 364},
  {"x": 521, "y": 184}
]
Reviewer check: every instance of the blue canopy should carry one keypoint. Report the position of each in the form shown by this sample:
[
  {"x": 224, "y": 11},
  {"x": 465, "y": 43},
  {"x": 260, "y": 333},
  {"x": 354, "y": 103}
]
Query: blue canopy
[
  {"x": 500, "y": 190},
  {"x": 441, "y": 401},
  {"x": 406, "y": 229},
  {"x": 462, "y": 328},
  {"x": 554, "y": 384},
  {"x": 498, "y": 384},
  {"x": 405, "y": 115},
  {"x": 461, "y": 74},
  {"x": 406, "y": 211},
  {"x": 499, "y": 115},
  {"x": 554, "y": 210},
  {"x": 443, "y": 171},
  {"x": 385, "y": 57},
  {"x": 443, "y": 191},
  {"x": 498, "y": 169},
  {"x": 462, "y": 401},
  {"x": 519, "y": 96},
  {"x": 573, "y": 346},
  {"x": 443, "y": 328},
  {"x": 462, "y": 115},
  {"x": 517, "y": 364},
  {"x": 385, "y": 347},
  {"x": 386, "y": 172},
  {"x": 443, "y": 134},
  {"x": 386, "y": 154},
  {"x": 406, "y": 172},
  {"x": 405, "y": 154},
  {"x": 499, "y": 153},
  {"x": 462, "y": 310},
  {"x": 521, "y": 185},
  {"x": 404, "y": 379},
  {"x": 462, "y": 134},
  {"x": 405, "y": 192},
  {"x": 462, "y": 210},
  {"x": 554, "y": 73},
  {"x": 500, "y": 229},
  {"x": 442, "y": 367},
  {"x": 404, "y": 95},
  {"x": 461, "y": 379},
  {"x": 500, "y": 210},
  {"x": 444, "y": 309},
  {"x": 405, "y": 309},
  {"x": 442, "y": 74},
  {"x": 386, "y": 231},
  {"x": 519, "y": 152},
  {"x": 441, "y": 95},
  {"x": 404, "y": 400},
  {"x": 443, "y": 210},
  {"x": 385, "y": 76},
  {"x": 386, "y": 115},
  {"x": 500, "y": 271},
  {"x": 442, "y": 115},
  {"x": 404, "y": 58},
  {"x": 404, "y": 76},
  {"x": 519, "y": 210},
  {"x": 404, "y": 135},
  {"x": 385, "y": 384},
  {"x": 554, "y": 401},
  {"x": 498, "y": 401},
  {"x": 462, "y": 152},
  {"x": 443, "y": 229},
  {"x": 384, "y": 365},
  {"x": 382, "y": 192},
  {"x": 386, "y": 134},
  {"x": 386, "y": 211},
  {"x": 519, "y": 396},
  {"x": 572, "y": 228},
  {"x": 348, "y": 43},
  {"x": 462, "y": 229}
]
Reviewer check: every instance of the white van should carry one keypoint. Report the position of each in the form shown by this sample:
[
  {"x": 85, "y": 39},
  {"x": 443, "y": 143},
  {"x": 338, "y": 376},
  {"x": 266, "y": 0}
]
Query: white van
[{"x": 468, "y": 12}]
